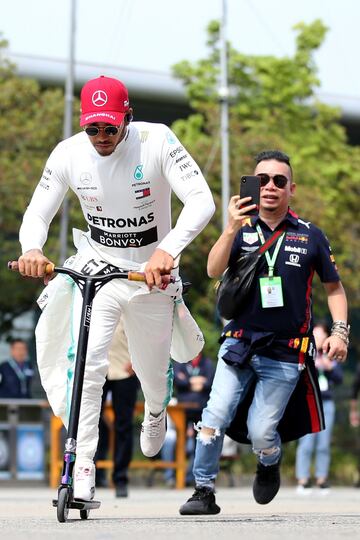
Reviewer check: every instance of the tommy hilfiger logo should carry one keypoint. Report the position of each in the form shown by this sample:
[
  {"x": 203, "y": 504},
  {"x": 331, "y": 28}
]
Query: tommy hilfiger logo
[{"x": 142, "y": 193}]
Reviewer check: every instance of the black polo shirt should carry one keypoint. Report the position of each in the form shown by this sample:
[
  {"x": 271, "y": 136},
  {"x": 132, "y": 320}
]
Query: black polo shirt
[{"x": 304, "y": 251}]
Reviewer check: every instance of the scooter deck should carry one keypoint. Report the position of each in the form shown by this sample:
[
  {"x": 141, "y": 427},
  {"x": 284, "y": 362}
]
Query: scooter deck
[{"x": 80, "y": 504}]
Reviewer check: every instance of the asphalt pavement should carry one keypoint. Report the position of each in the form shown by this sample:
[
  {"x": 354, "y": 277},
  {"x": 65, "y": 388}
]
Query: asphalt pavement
[{"x": 152, "y": 513}]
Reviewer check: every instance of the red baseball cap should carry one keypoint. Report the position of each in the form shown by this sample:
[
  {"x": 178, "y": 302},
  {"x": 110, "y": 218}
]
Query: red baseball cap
[{"x": 103, "y": 100}]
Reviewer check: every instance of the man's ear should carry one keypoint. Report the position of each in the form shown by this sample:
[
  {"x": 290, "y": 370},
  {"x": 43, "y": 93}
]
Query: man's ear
[{"x": 129, "y": 116}]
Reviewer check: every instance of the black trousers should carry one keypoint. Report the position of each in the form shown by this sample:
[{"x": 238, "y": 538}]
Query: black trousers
[{"x": 124, "y": 393}]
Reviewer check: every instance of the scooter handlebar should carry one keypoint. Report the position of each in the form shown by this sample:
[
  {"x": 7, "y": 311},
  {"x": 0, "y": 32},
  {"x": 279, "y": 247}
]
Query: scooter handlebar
[
  {"x": 14, "y": 266},
  {"x": 50, "y": 268}
]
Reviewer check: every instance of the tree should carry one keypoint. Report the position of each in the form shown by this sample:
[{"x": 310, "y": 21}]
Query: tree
[
  {"x": 30, "y": 126},
  {"x": 273, "y": 105}
]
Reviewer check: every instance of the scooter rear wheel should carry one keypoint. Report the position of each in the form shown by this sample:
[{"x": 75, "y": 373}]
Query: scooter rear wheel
[
  {"x": 62, "y": 509},
  {"x": 84, "y": 514}
]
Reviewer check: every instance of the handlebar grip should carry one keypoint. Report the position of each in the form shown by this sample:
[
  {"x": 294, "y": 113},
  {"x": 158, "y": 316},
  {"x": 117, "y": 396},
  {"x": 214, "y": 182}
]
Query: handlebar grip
[
  {"x": 140, "y": 276},
  {"x": 136, "y": 276},
  {"x": 14, "y": 266}
]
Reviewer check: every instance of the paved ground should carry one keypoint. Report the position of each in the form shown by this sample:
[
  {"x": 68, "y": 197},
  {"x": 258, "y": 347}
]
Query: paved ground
[{"x": 152, "y": 513}]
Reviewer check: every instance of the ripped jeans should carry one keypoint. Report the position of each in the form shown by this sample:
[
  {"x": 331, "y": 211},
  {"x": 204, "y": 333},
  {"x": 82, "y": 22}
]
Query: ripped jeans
[{"x": 275, "y": 383}]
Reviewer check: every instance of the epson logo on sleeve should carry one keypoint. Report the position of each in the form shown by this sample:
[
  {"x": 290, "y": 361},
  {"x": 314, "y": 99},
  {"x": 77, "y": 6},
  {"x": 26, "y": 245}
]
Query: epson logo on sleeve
[{"x": 176, "y": 151}]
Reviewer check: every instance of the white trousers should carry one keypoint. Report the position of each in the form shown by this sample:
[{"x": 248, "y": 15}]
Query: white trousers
[{"x": 148, "y": 320}]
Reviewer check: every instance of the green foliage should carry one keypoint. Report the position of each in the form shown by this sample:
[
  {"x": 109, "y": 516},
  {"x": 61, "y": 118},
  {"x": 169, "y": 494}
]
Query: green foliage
[
  {"x": 31, "y": 121},
  {"x": 273, "y": 105}
]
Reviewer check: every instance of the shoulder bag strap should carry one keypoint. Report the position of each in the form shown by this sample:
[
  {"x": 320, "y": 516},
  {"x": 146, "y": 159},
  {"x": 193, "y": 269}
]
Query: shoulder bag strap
[{"x": 270, "y": 241}]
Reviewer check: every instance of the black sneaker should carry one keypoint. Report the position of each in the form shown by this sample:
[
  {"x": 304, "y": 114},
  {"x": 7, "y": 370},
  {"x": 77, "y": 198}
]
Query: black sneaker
[
  {"x": 202, "y": 501},
  {"x": 266, "y": 483}
]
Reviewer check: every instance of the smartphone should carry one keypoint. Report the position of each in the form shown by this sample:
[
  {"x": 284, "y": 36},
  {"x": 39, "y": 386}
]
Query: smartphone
[{"x": 250, "y": 187}]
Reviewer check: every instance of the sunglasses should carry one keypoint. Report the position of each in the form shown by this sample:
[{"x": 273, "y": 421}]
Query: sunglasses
[
  {"x": 279, "y": 180},
  {"x": 92, "y": 131}
]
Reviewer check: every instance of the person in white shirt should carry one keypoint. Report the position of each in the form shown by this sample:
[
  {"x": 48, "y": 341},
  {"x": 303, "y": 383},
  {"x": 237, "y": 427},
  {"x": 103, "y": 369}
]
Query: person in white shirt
[{"x": 123, "y": 173}]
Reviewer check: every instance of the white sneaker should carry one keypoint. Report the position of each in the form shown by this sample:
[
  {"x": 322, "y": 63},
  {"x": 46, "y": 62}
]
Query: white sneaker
[
  {"x": 84, "y": 480},
  {"x": 303, "y": 489},
  {"x": 153, "y": 431}
]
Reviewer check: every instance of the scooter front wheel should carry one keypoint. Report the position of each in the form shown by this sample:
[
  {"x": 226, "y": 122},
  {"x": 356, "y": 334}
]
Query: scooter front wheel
[
  {"x": 84, "y": 514},
  {"x": 62, "y": 509}
]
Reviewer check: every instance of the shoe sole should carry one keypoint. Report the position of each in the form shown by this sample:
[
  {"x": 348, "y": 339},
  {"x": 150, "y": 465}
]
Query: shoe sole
[
  {"x": 199, "y": 513},
  {"x": 266, "y": 501}
]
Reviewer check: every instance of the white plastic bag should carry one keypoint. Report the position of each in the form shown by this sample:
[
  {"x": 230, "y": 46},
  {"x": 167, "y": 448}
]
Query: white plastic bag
[
  {"x": 53, "y": 338},
  {"x": 187, "y": 338}
]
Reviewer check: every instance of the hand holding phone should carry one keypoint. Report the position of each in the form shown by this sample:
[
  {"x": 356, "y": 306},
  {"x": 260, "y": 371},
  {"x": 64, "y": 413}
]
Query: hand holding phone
[{"x": 250, "y": 187}]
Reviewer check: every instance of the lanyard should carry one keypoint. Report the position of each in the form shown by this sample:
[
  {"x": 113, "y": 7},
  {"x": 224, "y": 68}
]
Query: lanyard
[
  {"x": 20, "y": 375},
  {"x": 270, "y": 260}
]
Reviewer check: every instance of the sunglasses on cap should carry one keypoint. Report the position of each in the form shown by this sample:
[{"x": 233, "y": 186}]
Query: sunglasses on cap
[
  {"x": 92, "y": 131},
  {"x": 279, "y": 180}
]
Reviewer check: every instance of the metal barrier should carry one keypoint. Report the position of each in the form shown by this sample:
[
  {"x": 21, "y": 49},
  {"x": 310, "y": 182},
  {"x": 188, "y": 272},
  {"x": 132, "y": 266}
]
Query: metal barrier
[
  {"x": 23, "y": 441},
  {"x": 23, "y": 425}
]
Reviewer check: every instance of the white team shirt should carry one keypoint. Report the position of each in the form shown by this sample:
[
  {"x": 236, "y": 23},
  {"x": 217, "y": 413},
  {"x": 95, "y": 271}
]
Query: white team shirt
[{"x": 125, "y": 197}]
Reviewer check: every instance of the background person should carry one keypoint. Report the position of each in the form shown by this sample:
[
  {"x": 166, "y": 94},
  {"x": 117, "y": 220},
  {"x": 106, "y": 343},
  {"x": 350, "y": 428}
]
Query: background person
[
  {"x": 268, "y": 348},
  {"x": 354, "y": 414},
  {"x": 354, "y": 417},
  {"x": 123, "y": 173},
  {"x": 330, "y": 373},
  {"x": 16, "y": 373},
  {"x": 120, "y": 390}
]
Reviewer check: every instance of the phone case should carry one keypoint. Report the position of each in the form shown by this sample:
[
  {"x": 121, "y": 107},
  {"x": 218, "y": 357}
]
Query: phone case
[{"x": 250, "y": 187}]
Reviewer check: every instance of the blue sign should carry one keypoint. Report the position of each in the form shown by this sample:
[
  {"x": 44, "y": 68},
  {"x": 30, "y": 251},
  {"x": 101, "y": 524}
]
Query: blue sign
[{"x": 30, "y": 451}]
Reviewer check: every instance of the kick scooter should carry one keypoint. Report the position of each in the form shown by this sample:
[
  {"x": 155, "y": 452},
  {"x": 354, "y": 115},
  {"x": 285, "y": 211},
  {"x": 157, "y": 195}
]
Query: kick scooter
[{"x": 89, "y": 285}]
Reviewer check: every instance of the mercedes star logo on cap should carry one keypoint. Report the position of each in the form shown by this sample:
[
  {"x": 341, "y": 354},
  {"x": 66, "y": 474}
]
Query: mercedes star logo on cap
[{"x": 99, "y": 98}]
